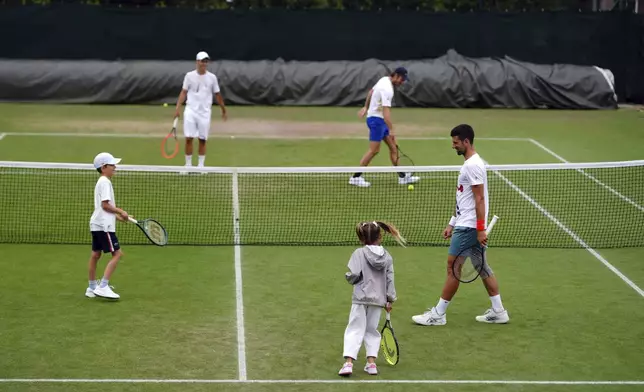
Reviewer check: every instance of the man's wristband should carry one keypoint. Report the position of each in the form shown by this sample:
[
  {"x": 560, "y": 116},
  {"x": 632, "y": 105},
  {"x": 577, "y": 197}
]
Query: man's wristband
[{"x": 480, "y": 225}]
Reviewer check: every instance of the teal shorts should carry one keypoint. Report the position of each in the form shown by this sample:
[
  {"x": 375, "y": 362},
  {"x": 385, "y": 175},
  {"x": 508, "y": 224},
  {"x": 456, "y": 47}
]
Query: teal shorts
[{"x": 464, "y": 238}]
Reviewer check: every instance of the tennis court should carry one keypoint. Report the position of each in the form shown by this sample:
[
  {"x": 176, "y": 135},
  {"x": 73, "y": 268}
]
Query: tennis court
[{"x": 187, "y": 314}]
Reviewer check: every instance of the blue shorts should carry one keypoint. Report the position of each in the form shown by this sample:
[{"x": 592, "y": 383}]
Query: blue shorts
[
  {"x": 463, "y": 238},
  {"x": 105, "y": 241},
  {"x": 378, "y": 129}
]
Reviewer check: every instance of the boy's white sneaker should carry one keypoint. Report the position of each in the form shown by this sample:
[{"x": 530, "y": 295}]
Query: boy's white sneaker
[
  {"x": 359, "y": 181},
  {"x": 89, "y": 293},
  {"x": 106, "y": 292}
]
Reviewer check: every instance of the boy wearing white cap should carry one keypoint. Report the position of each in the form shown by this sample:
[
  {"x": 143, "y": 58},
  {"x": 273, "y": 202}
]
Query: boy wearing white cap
[
  {"x": 102, "y": 224},
  {"x": 198, "y": 87}
]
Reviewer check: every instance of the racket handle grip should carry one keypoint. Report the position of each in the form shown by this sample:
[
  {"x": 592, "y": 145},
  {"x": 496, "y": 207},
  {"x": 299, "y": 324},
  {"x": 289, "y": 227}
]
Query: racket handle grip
[
  {"x": 492, "y": 223},
  {"x": 132, "y": 219},
  {"x": 388, "y": 316},
  {"x": 175, "y": 122}
]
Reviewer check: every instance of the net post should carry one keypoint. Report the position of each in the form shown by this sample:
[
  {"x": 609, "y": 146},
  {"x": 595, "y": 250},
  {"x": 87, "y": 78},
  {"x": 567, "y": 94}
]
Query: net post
[{"x": 235, "y": 190}]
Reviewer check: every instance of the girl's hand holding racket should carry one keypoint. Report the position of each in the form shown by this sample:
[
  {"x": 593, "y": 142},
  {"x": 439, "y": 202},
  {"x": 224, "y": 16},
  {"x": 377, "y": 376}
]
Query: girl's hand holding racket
[{"x": 388, "y": 307}]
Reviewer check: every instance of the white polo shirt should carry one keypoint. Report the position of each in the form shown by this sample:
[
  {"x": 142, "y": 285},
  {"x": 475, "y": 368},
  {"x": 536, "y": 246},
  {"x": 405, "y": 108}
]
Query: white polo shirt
[
  {"x": 102, "y": 220},
  {"x": 472, "y": 172},
  {"x": 382, "y": 96},
  {"x": 200, "y": 90}
]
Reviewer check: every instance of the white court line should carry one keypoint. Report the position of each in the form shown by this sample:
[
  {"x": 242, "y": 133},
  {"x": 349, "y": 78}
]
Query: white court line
[
  {"x": 241, "y": 336},
  {"x": 2, "y": 135},
  {"x": 571, "y": 234},
  {"x": 188, "y": 381},
  {"x": 590, "y": 176},
  {"x": 260, "y": 137}
]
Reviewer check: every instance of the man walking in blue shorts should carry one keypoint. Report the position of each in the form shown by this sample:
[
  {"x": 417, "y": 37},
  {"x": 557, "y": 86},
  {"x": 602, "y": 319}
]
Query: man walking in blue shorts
[{"x": 377, "y": 108}]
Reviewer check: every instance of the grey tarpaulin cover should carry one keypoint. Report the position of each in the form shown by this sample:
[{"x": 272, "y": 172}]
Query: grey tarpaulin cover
[{"x": 449, "y": 81}]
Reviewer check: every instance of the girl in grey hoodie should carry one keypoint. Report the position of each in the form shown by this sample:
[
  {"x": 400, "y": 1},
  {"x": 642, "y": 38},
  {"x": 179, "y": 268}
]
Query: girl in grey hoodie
[{"x": 371, "y": 272}]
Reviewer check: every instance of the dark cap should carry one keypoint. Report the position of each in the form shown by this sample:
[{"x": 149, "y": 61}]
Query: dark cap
[{"x": 402, "y": 71}]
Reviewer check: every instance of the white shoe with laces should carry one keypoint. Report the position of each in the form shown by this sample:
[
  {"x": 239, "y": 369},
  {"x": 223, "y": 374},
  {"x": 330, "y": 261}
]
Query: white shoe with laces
[
  {"x": 408, "y": 179},
  {"x": 89, "y": 293},
  {"x": 492, "y": 317},
  {"x": 359, "y": 181},
  {"x": 106, "y": 292},
  {"x": 430, "y": 317}
]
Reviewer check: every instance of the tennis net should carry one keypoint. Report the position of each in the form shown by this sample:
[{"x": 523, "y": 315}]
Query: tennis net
[{"x": 597, "y": 205}]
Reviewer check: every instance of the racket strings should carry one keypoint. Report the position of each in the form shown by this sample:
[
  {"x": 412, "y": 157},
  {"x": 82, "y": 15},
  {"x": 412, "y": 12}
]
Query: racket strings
[
  {"x": 389, "y": 346},
  {"x": 469, "y": 264},
  {"x": 155, "y": 231}
]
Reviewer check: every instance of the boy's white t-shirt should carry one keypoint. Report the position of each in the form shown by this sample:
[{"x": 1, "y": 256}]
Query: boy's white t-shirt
[{"x": 102, "y": 220}]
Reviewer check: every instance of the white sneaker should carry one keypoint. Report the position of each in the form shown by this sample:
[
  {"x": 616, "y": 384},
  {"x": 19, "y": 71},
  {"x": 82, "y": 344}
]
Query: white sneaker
[
  {"x": 347, "y": 369},
  {"x": 106, "y": 292},
  {"x": 430, "y": 317},
  {"x": 408, "y": 179},
  {"x": 371, "y": 368},
  {"x": 89, "y": 293},
  {"x": 359, "y": 181},
  {"x": 492, "y": 317}
]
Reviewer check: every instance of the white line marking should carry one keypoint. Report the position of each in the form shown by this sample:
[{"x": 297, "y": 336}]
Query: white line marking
[
  {"x": 241, "y": 337},
  {"x": 2, "y": 135},
  {"x": 590, "y": 176},
  {"x": 219, "y": 136},
  {"x": 571, "y": 234},
  {"x": 180, "y": 381}
]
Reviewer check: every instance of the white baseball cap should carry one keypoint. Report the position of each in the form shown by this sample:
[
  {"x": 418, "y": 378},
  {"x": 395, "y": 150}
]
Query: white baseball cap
[
  {"x": 202, "y": 55},
  {"x": 105, "y": 158}
]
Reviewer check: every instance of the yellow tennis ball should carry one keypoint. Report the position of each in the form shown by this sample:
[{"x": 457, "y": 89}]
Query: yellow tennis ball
[
  {"x": 410, "y": 187},
  {"x": 165, "y": 105}
]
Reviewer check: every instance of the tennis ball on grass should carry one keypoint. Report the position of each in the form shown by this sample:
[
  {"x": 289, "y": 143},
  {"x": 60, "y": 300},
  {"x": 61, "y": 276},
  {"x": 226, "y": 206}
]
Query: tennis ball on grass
[
  {"x": 165, "y": 105},
  {"x": 410, "y": 187}
]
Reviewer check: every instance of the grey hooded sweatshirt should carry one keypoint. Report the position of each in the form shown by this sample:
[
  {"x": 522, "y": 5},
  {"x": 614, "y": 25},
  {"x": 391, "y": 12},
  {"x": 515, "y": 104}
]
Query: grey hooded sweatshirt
[{"x": 372, "y": 276}]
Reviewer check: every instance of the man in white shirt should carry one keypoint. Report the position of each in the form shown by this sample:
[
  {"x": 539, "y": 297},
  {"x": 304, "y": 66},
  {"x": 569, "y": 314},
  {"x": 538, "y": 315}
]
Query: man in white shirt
[
  {"x": 198, "y": 87},
  {"x": 377, "y": 108},
  {"x": 102, "y": 224},
  {"x": 467, "y": 230}
]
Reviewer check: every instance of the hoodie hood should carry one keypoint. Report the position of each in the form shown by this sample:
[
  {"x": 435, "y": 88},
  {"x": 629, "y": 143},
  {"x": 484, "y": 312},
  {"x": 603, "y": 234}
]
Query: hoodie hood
[{"x": 375, "y": 255}]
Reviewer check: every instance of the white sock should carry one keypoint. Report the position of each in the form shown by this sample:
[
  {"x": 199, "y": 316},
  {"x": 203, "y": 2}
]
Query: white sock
[
  {"x": 188, "y": 160},
  {"x": 497, "y": 305},
  {"x": 441, "y": 307},
  {"x": 202, "y": 160}
]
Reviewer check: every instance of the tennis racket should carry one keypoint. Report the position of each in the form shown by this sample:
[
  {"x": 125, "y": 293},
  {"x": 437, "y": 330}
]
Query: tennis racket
[
  {"x": 153, "y": 230},
  {"x": 403, "y": 159},
  {"x": 389, "y": 343},
  {"x": 471, "y": 261},
  {"x": 170, "y": 144}
]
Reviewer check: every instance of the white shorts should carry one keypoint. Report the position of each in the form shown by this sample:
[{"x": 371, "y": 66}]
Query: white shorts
[{"x": 196, "y": 126}]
